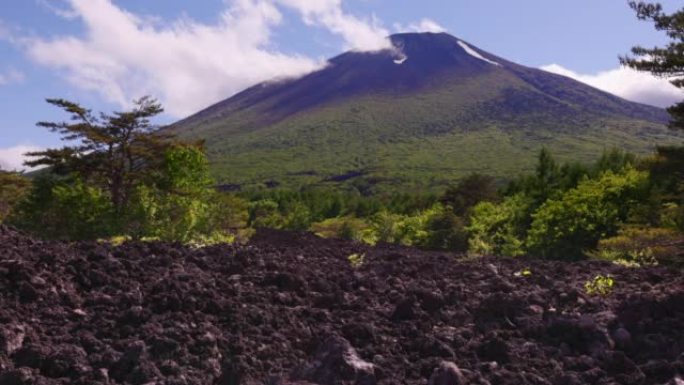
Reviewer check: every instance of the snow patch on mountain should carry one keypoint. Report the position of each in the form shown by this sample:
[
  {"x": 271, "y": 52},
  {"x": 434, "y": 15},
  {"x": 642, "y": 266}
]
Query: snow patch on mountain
[
  {"x": 475, "y": 54},
  {"x": 401, "y": 60}
]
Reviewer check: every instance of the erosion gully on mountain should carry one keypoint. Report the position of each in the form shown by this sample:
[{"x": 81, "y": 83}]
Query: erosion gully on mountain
[{"x": 291, "y": 309}]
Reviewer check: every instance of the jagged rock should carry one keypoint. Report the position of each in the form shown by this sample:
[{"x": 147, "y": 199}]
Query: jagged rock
[
  {"x": 337, "y": 362},
  {"x": 622, "y": 338},
  {"x": 158, "y": 313},
  {"x": 11, "y": 338},
  {"x": 405, "y": 310},
  {"x": 447, "y": 374},
  {"x": 20, "y": 376}
]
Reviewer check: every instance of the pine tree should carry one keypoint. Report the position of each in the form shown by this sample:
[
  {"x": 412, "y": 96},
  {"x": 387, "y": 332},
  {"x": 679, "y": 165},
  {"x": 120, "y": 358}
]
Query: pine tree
[
  {"x": 115, "y": 152},
  {"x": 665, "y": 61}
]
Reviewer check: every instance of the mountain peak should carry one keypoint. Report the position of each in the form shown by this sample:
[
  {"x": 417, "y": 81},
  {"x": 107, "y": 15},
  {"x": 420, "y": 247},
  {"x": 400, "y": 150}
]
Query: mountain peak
[
  {"x": 417, "y": 58},
  {"x": 438, "y": 44},
  {"x": 425, "y": 37},
  {"x": 365, "y": 110}
]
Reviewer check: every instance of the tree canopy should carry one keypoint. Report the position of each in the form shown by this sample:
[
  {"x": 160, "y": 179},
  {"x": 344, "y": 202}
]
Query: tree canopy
[
  {"x": 115, "y": 151},
  {"x": 13, "y": 187},
  {"x": 667, "y": 61},
  {"x": 118, "y": 175}
]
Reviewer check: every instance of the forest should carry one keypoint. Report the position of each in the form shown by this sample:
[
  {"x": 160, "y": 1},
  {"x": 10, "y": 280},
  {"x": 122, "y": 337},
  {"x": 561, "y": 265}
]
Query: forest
[{"x": 622, "y": 208}]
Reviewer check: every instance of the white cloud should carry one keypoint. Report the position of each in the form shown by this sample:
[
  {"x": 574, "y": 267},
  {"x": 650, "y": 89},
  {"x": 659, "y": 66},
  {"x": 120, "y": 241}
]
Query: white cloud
[
  {"x": 627, "y": 83},
  {"x": 11, "y": 76},
  {"x": 12, "y": 158},
  {"x": 359, "y": 34},
  {"x": 57, "y": 7},
  {"x": 424, "y": 25},
  {"x": 186, "y": 64}
]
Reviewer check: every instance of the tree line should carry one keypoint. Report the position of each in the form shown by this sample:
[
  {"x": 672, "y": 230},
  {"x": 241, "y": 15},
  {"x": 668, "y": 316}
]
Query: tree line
[{"x": 117, "y": 175}]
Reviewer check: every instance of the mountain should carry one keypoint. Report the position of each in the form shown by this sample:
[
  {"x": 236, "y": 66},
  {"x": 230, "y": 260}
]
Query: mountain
[{"x": 423, "y": 114}]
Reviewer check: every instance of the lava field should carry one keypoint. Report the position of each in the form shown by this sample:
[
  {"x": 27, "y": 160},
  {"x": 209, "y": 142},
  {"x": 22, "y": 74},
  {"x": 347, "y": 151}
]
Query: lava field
[{"x": 290, "y": 308}]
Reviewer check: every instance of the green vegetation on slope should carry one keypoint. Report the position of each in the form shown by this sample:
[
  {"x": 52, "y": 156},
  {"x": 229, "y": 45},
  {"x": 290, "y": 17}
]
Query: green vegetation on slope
[
  {"x": 435, "y": 119},
  {"x": 399, "y": 142}
]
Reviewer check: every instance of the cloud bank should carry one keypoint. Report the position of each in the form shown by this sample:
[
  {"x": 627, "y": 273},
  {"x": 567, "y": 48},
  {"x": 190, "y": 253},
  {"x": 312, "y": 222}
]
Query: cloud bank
[
  {"x": 627, "y": 83},
  {"x": 12, "y": 158},
  {"x": 189, "y": 65}
]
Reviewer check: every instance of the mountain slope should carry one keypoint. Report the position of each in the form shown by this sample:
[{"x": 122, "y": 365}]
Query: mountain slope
[{"x": 433, "y": 109}]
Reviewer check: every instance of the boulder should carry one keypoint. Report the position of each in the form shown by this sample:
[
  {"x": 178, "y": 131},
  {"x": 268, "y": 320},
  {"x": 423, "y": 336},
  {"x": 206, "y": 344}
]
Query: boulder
[
  {"x": 337, "y": 362},
  {"x": 447, "y": 374}
]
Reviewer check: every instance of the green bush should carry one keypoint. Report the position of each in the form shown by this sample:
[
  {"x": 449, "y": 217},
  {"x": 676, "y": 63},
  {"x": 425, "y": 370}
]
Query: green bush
[
  {"x": 230, "y": 213},
  {"x": 601, "y": 285},
  {"x": 298, "y": 217},
  {"x": 65, "y": 209},
  {"x": 437, "y": 228},
  {"x": 13, "y": 188},
  {"x": 265, "y": 214},
  {"x": 565, "y": 227},
  {"x": 385, "y": 227},
  {"x": 672, "y": 216},
  {"x": 442, "y": 229},
  {"x": 637, "y": 246},
  {"x": 356, "y": 260},
  {"x": 499, "y": 229},
  {"x": 469, "y": 191},
  {"x": 407, "y": 230},
  {"x": 178, "y": 206},
  {"x": 349, "y": 228},
  {"x": 180, "y": 203}
]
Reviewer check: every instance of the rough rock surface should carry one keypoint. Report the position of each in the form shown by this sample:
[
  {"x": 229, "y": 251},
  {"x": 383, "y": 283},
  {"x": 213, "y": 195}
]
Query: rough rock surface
[{"x": 290, "y": 309}]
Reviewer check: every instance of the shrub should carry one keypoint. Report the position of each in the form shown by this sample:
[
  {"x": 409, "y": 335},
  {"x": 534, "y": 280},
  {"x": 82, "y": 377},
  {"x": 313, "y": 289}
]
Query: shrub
[
  {"x": 265, "y": 214},
  {"x": 410, "y": 230},
  {"x": 499, "y": 229},
  {"x": 13, "y": 187},
  {"x": 385, "y": 227},
  {"x": 65, "y": 209},
  {"x": 526, "y": 272},
  {"x": 600, "y": 285},
  {"x": 672, "y": 216},
  {"x": 230, "y": 213},
  {"x": 298, "y": 217},
  {"x": 639, "y": 247},
  {"x": 357, "y": 260},
  {"x": 178, "y": 205},
  {"x": 565, "y": 227},
  {"x": 442, "y": 229},
  {"x": 349, "y": 228},
  {"x": 470, "y": 191}
]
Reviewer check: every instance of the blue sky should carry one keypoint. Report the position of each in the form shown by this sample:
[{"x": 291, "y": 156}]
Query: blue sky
[{"x": 189, "y": 54}]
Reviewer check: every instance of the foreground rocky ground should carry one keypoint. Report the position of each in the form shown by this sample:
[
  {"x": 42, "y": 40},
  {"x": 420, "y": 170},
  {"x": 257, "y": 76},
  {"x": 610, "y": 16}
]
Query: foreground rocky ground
[{"x": 290, "y": 308}]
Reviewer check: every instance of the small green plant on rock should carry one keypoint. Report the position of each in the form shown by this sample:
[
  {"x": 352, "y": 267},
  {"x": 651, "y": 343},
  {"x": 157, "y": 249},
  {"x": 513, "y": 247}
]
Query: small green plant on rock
[
  {"x": 356, "y": 260},
  {"x": 601, "y": 285},
  {"x": 526, "y": 272}
]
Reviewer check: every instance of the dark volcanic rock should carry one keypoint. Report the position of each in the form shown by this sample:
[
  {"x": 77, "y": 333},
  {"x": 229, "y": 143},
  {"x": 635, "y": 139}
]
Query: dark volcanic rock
[
  {"x": 447, "y": 374},
  {"x": 337, "y": 362},
  {"x": 289, "y": 309}
]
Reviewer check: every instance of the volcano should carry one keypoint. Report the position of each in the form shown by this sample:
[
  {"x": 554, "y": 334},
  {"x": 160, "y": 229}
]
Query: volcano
[{"x": 424, "y": 113}]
